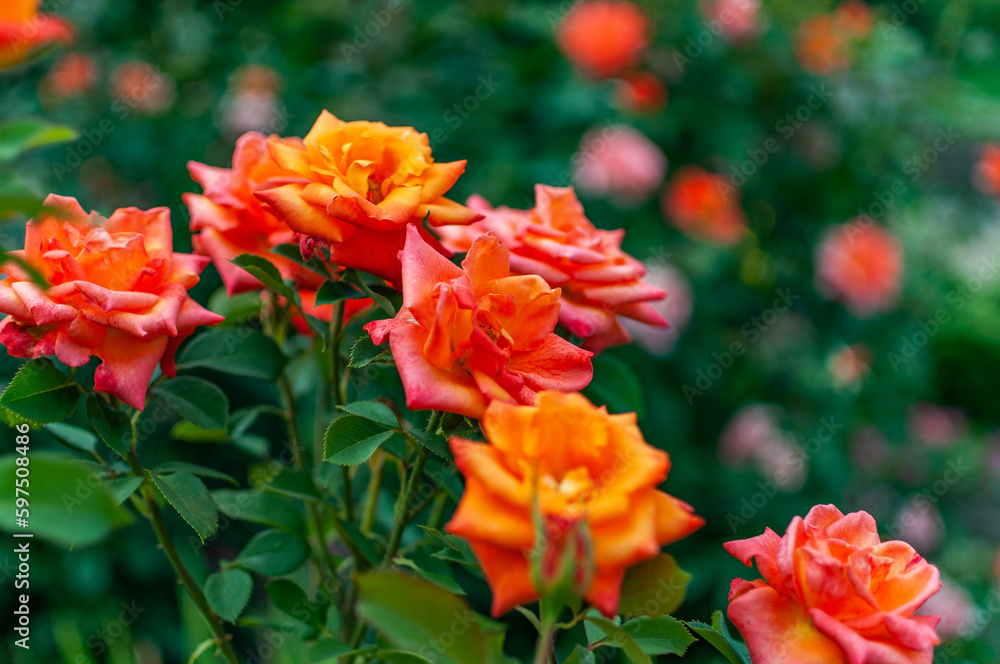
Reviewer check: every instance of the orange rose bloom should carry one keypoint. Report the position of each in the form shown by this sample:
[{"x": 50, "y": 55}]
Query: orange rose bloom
[
  {"x": 704, "y": 205},
  {"x": 468, "y": 335},
  {"x": 860, "y": 264},
  {"x": 118, "y": 291},
  {"x": 587, "y": 471},
  {"x": 987, "y": 176},
  {"x": 360, "y": 185},
  {"x": 834, "y": 593},
  {"x": 555, "y": 241},
  {"x": 23, "y": 30},
  {"x": 232, "y": 221},
  {"x": 604, "y": 37}
]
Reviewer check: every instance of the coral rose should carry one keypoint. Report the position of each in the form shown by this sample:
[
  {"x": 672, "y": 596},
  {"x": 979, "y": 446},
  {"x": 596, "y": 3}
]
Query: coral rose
[
  {"x": 833, "y": 593},
  {"x": 860, "y": 264},
  {"x": 23, "y": 30},
  {"x": 231, "y": 221},
  {"x": 118, "y": 291},
  {"x": 555, "y": 241},
  {"x": 469, "y": 335},
  {"x": 585, "y": 471},
  {"x": 604, "y": 37},
  {"x": 361, "y": 185},
  {"x": 704, "y": 205}
]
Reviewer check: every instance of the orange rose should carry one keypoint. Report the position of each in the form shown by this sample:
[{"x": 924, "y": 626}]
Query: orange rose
[
  {"x": 704, "y": 205},
  {"x": 588, "y": 472},
  {"x": 833, "y": 593},
  {"x": 361, "y": 185},
  {"x": 604, "y": 37},
  {"x": 232, "y": 221},
  {"x": 118, "y": 291},
  {"x": 860, "y": 264},
  {"x": 468, "y": 335},
  {"x": 23, "y": 30},
  {"x": 554, "y": 240}
]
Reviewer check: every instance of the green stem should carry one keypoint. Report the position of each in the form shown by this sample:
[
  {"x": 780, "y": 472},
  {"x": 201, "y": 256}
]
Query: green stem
[
  {"x": 544, "y": 648},
  {"x": 437, "y": 510},
  {"x": 396, "y": 536},
  {"x": 371, "y": 497},
  {"x": 167, "y": 544}
]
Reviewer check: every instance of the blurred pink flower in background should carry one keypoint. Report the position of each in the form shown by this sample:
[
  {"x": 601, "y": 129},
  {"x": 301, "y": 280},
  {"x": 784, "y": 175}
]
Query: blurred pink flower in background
[
  {"x": 869, "y": 449},
  {"x": 754, "y": 436},
  {"x": 624, "y": 166},
  {"x": 850, "y": 365},
  {"x": 676, "y": 309},
  {"x": 71, "y": 76},
  {"x": 935, "y": 426},
  {"x": 737, "y": 20},
  {"x": 956, "y": 607},
  {"x": 251, "y": 103},
  {"x": 860, "y": 264},
  {"x": 919, "y": 522},
  {"x": 143, "y": 87}
]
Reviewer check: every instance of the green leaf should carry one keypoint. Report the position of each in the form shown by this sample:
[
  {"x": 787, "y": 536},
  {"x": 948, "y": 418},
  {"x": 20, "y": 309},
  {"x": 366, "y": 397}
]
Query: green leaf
[
  {"x": 415, "y": 614},
  {"x": 580, "y": 655},
  {"x": 653, "y": 588},
  {"x": 714, "y": 638},
  {"x": 121, "y": 488},
  {"x": 435, "y": 443},
  {"x": 290, "y": 599},
  {"x": 364, "y": 352},
  {"x": 194, "y": 469},
  {"x": 273, "y": 553},
  {"x": 433, "y": 569},
  {"x": 41, "y": 393},
  {"x": 619, "y": 637},
  {"x": 619, "y": 387},
  {"x": 720, "y": 626},
  {"x": 463, "y": 552},
  {"x": 354, "y": 277},
  {"x": 267, "y": 274},
  {"x": 375, "y": 411},
  {"x": 188, "y": 495},
  {"x": 228, "y": 592},
  {"x": 190, "y": 433},
  {"x": 261, "y": 507},
  {"x": 351, "y": 439},
  {"x": 29, "y": 133},
  {"x": 332, "y": 292},
  {"x": 241, "y": 351},
  {"x": 363, "y": 543},
  {"x": 75, "y": 437},
  {"x": 659, "y": 636},
  {"x": 331, "y": 651},
  {"x": 400, "y": 657},
  {"x": 111, "y": 425},
  {"x": 70, "y": 504},
  {"x": 238, "y": 309},
  {"x": 197, "y": 400}
]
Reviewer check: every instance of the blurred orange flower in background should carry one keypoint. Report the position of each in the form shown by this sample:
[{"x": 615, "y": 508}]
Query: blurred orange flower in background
[
  {"x": 142, "y": 86},
  {"x": 987, "y": 177},
  {"x": 833, "y": 593},
  {"x": 468, "y": 335},
  {"x": 117, "y": 290},
  {"x": 861, "y": 264},
  {"x": 23, "y": 30},
  {"x": 591, "y": 477},
  {"x": 71, "y": 75},
  {"x": 704, "y": 205},
  {"x": 556, "y": 241},
  {"x": 361, "y": 184},
  {"x": 823, "y": 43},
  {"x": 231, "y": 221},
  {"x": 641, "y": 92},
  {"x": 604, "y": 37}
]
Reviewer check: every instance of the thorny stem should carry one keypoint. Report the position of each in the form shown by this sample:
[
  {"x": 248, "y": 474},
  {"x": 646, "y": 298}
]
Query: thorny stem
[{"x": 167, "y": 544}]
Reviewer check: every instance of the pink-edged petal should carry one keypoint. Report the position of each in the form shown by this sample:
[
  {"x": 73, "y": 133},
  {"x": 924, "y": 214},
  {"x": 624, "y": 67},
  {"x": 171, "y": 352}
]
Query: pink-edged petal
[
  {"x": 556, "y": 364},
  {"x": 765, "y": 549},
  {"x": 859, "y": 650},
  {"x": 43, "y": 310},
  {"x": 423, "y": 268},
  {"x": 127, "y": 364}
]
